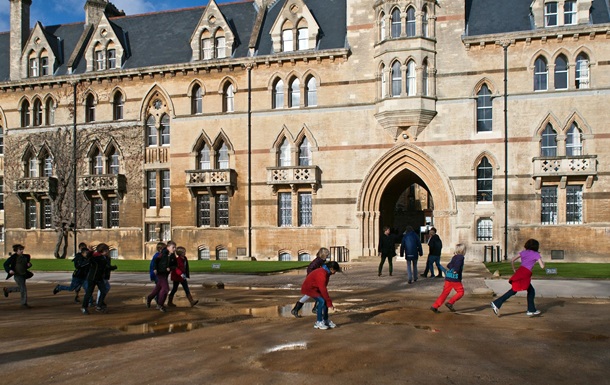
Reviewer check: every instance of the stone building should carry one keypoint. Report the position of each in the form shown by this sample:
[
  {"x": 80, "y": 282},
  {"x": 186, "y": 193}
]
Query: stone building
[{"x": 270, "y": 128}]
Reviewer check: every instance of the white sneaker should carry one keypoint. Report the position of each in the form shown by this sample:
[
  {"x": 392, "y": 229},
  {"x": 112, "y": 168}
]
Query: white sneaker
[
  {"x": 331, "y": 324},
  {"x": 320, "y": 325},
  {"x": 533, "y": 313},
  {"x": 495, "y": 309}
]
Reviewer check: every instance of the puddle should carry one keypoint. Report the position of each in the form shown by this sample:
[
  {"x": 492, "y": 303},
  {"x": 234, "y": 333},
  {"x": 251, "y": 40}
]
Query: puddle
[
  {"x": 154, "y": 328},
  {"x": 289, "y": 346}
]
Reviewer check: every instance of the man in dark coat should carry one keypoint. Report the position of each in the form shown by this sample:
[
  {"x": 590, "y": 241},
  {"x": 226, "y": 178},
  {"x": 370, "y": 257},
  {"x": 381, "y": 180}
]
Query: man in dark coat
[
  {"x": 386, "y": 249},
  {"x": 411, "y": 249}
]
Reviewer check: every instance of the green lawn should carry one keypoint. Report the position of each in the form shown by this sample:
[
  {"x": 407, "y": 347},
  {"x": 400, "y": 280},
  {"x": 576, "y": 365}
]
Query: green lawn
[
  {"x": 564, "y": 270},
  {"x": 195, "y": 266}
]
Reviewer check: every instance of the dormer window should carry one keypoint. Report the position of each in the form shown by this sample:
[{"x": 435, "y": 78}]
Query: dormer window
[
  {"x": 34, "y": 68},
  {"x": 220, "y": 47},
  {"x": 303, "y": 42},
  {"x": 111, "y": 58},
  {"x": 44, "y": 66},
  {"x": 550, "y": 14},
  {"x": 207, "y": 50},
  {"x": 287, "y": 40},
  {"x": 105, "y": 58},
  {"x": 100, "y": 64}
]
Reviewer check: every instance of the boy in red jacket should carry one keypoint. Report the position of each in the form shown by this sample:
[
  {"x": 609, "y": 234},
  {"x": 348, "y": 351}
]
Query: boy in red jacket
[{"x": 315, "y": 286}]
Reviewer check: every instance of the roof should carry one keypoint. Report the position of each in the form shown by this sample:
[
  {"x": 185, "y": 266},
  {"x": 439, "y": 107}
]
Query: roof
[{"x": 163, "y": 38}]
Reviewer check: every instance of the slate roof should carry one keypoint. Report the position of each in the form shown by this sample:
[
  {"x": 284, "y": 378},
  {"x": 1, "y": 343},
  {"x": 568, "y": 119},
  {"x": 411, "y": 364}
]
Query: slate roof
[
  {"x": 485, "y": 17},
  {"x": 172, "y": 31}
]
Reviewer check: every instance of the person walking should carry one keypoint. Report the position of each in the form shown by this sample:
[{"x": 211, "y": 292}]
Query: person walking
[
  {"x": 79, "y": 276},
  {"x": 522, "y": 278},
  {"x": 17, "y": 266},
  {"x": 435, "y": 246},
  {"x": 180, "y": 276},
  {"x": 164, "y": 264},
  {"x": 95, "y": 277},
  {"x": 453, "y": 280},
  {"x": 318, "y": 262},
  {"x": 315, "y": 286},
  {"x": 411, "y": 249},
  {"x": 386, "y": 249}
]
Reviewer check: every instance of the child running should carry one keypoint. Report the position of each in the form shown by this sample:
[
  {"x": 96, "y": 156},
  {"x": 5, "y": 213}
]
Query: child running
[
  {"x": 453, "y": 279},
  {"x": 179, "y": 276}
]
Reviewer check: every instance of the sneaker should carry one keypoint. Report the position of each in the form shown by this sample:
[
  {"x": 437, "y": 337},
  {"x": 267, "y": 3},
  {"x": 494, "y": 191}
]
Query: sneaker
[
  {"x": 434, "y": 310},
  {"x": 533, "y": 313},
  {"x": 495, "y": 309},
  {"x": 295, "y": 313},
  {"x": 76, "y": 299},
  {"x": 5, "y": 290},
  {"x": 450, "y": 306},
  {"x": 162, "y": 309},
  {"x": 148, "y": 302},
  {"x": 100, "y": 309},
  {"x": 56, "y": 290},
  {"x": 410, "y": 282},
  {"x": 320, "y": 325},
  {"x": 26, "y": 306},
  {"x": 331, "y": 324},
  {"x": 84, "y": 311},
  {"x": 423, "y": 275}
]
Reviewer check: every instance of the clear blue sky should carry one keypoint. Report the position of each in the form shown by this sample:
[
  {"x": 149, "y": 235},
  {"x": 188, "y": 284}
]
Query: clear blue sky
[{"x": 52, "y": 12}]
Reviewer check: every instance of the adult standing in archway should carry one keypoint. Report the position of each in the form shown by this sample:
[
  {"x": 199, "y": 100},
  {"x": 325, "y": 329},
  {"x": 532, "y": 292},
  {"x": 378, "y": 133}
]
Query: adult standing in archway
[{"x": 411, "y": 249}]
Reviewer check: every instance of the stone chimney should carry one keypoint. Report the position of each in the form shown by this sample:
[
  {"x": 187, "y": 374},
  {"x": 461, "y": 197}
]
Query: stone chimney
[
  {"x": 94, "y": 9},
  {"x": 20, "y": 32}
]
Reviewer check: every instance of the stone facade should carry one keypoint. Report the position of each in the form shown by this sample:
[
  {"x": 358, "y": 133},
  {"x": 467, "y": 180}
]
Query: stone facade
[{"x": 275, "y": 154}]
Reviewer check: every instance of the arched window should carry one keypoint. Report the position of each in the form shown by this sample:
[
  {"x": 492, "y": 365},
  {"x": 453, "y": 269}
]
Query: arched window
[
  {"x": 574, "y": 141},
  {"x": 152, "y": 133},
  {"x": 118, "y": 106},
  {"x": 284, "y": 257},
  {"x": 303, "y": 38},
  {"x": 384, "y": 83},
  {"x": 203, "y": 158},
  {"x": 1, "y": 140},
  {"x": 278, "y": 94},
  {"x": 37, "y": 111},
  {"x": 548, "y": 144},
  {"x": 485, "y": 228},
  {"x": 424, "y": 21},
  {"x": 484, "y": 110},
  {"x": 113, "y": 161},
  {"x": 47, "y": 164},
  {"x": 561, "y": 73},
  {"x": 49, "y": 112},
  {"x": 165, "y": 130},
  {"x": 484, "y": 181},
  {"x": 97, "y": 162},
  {"x": 311, "y": 93},
  {"x": 229, "y": 96},
  {"x": 90, "y": 108},
  {"x": 304, "y": 153},
  {"x": 25, "y": 114},
  {"x": 582, "y": 71},
  {"x": 220, "y": 42},
  {"x": 207, "y": 49},
  {"x": 411, "y": 22},
  {"x": 284, "y": 155},
  {"x": 425, "y": 72},
  {"x": 32, "y": 166},
  {"x": 294, "y": 99},
  {"x": 197, "y": 100},
  {"x": 541, "y": 74},
  {"x": 396, "y": 79},
  {"x": 396, "y": 25},
  {"x": 411, "y": 79},
  {"x": 383, "y": 33},
  {"x": 287, "y": 40},
  {"x": 222, "y": 157}
]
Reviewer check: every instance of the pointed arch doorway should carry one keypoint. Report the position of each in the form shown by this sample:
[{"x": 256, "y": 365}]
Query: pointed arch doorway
[{"x": 391, "y": 196}]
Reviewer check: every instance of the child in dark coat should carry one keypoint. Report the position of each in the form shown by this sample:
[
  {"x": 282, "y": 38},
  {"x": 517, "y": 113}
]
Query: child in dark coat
[{"x": 453, "y": 280}]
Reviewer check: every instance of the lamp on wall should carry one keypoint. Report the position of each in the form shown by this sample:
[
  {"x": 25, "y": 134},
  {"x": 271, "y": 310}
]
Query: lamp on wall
[{"x": 405, "y": 136}]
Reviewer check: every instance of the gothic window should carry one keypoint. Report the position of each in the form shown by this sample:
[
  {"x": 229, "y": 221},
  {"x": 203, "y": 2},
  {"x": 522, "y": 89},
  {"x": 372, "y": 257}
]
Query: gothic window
[
  {"x": 221, "y": 49},
  {"x": 396, "y": 23},
  {"x": 285, "y": 209},
  {"x": 484, "y": 109},
  {"x": 229, "y": 98},
  {"x": 25, "y": 114},
  {"x": 151, "y": 132},
  {"x": 574, "y": 204},
  {"x": 37, "y": 112},
  {"x": 382, "y": 27},
  {"x": 1, "y": 140},
  {"x": 111, "y": 53},
  {"x": 411, "y": 79},
  {"x": 207, "y": 48},
  {"x": 303, "y": 38},
  {"x": 541, "y": 74},
  {"x": 203, "y": 158},
  {"x": 49, "y": 112},
  {"x": 278, "y": 94},
  {"x": 44, "y": 66},
  {"x": 196, "y": 100},
  {"x": 118, "y": 106},
  {"x": 311, "y": 93},
  {"x": 548, "y": 144},
  {"x": 561, "y": 73},
  {"x": 425, "y": 72},
  {"x": 305, "y": 209},
  {"x": 548, "y": 196},
  {"x": 287, "y": 40},
  {"x": 582, "y": 71},
  {"x": 222, "y": 156},
  {"x": 90, "y": 108},
  {"x": 222, "y": 210},
  {"x": 424, "y": 21},
  {"x": 203, "y": 210},
  {"x": 165, "y": 130},
  {"x": 284, "y": 154},
  {"x": 396, "y": 79},
  {"x": 384, "y": 83},
  {"x": 33, "y": 68},
  {"x": 47, "y": 164},
  {"x": 113, "y": 212},
  {"x": 305, "y": 153},
  {"x": 411, "y": 22},
  {"x": 294, "y": 93},
  {"x": 97, "y": 162},
  {"x": 574, "y": 141},
  {"x": 113, "y": 161},
  {"x": 484, "y": 181}
]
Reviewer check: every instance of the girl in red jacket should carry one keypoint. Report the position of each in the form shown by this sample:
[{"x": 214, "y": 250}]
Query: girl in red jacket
[{"x": 315, "y": 286}]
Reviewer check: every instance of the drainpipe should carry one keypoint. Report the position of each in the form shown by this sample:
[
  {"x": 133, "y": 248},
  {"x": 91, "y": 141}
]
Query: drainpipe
[
  {"x": 505, "y": 48},
  {"x": 249, "y": 69},
  {"x": 74, "y": 147}
]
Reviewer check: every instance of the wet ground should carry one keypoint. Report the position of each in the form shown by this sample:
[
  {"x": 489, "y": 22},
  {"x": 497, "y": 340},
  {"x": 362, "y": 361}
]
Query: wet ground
[{"x": 244, "y": 334}]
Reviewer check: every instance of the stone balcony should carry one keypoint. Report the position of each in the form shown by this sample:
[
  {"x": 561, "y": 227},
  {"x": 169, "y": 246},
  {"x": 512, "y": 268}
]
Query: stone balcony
[
  {"x": 36, "y": 187},
  {"x": 563, "y": 167},
  {"x": 294, "y": 176},
  {"x": 103, "y": 184},
  {"x": 213, "y": 179}
]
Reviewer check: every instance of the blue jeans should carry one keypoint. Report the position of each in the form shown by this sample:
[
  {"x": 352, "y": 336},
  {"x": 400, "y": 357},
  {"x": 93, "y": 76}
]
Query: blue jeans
[
  {"x": 531, "y": 293},
  {"x": 412, "y": 268},
  {"x": 75, "y": 285},
  {"x": 322, "y": 313},
  {"x": 434, "y": 259}
]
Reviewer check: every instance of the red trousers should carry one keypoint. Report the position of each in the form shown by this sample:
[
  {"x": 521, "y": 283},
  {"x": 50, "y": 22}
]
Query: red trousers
[{"x": 459, "y": 293}]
